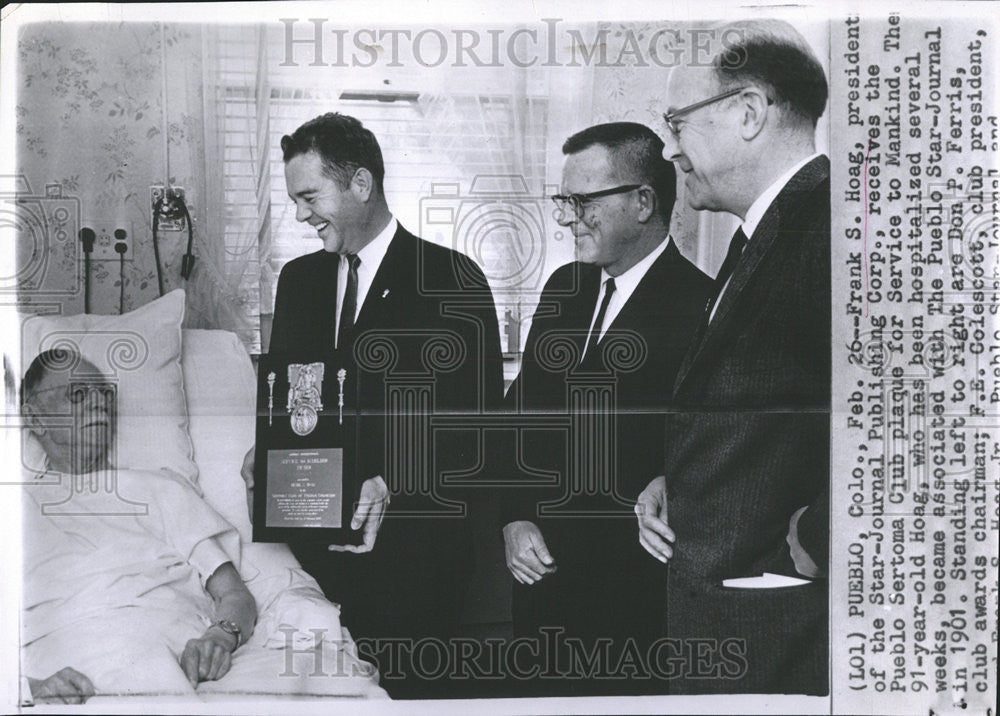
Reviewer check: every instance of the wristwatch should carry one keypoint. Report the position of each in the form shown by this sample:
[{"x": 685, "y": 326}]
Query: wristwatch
[{"x": 231, "y": 627}]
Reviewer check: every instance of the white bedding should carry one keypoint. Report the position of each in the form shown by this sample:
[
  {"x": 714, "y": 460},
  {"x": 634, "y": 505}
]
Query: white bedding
[{"x": 116, "y": 596}]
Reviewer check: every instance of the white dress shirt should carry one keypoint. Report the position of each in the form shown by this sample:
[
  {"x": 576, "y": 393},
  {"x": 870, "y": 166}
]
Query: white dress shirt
[
  {"x": 625, "y": 286},
  {"x": 371, "y": 258},
  {"x": 756, "y": 212}
]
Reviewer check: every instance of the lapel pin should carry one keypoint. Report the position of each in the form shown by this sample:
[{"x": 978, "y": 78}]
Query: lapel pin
[{"x": 385, "y": 293}]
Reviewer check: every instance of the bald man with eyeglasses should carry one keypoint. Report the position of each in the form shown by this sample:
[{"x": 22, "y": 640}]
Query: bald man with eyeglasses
[
  {"x": 740, "y": 515},
  {"x": 622, "y": 316}
]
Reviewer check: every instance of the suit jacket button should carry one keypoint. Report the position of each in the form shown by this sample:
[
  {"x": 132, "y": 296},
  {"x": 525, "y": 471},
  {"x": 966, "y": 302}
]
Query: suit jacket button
[{"x": 671, "y": 493}]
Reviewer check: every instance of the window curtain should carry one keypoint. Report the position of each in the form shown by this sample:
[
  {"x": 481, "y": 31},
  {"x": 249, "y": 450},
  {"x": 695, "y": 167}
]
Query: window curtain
[
  {"x": 226, "y": 289},
  {"x": 496, "y": 146},
  {"x": 503, "y": 141}
]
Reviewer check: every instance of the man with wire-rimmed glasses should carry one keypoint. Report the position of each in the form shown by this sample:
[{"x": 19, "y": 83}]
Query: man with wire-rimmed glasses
[
  {"x": 578, "y": 567},
  {"x": 148, "y": 601},
  {"x": 740, "y": 513}
]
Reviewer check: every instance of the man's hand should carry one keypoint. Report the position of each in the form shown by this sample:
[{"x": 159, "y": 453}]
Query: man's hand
[
  {"x": 371, "y": 509},
  {"x": 209, "y": 657},
  {"x": 804, "y": 563},
  {"x": 247, "y": 472},
  {"x": 528, "y": 558},
  {"x": 66, "y": 686},
  {"x": 651, "y": 510}
]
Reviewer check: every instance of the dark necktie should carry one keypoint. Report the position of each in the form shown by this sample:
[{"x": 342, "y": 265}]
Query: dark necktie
[
  {"x": 595, "y": 332},
  {"x": 736, "y": 247},
  {"x": 350, "y": 306}
]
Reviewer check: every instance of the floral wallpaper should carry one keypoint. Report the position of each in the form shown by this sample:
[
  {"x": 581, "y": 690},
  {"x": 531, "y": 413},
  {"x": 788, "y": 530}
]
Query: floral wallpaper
[{"x": 90, "y": 129}]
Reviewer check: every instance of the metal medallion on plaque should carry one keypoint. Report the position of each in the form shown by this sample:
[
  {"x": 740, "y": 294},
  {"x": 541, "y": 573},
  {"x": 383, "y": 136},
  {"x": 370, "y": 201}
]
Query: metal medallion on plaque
[{"x": 304, "y": 396}]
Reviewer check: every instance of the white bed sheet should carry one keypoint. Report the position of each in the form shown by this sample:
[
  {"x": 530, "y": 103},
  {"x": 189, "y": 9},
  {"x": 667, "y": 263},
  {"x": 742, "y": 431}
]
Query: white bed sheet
[
  {"x": 220, "y": 385},
  {"x": 118, "y": 596}
]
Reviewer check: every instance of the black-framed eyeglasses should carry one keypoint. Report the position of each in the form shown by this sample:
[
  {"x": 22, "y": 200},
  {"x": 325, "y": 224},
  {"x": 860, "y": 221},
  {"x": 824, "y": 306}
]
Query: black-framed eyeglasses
[
  {"x": 78, "y": 392},
  {"x": 669, "y": 117},
  {"x": 577, "y": 202}
]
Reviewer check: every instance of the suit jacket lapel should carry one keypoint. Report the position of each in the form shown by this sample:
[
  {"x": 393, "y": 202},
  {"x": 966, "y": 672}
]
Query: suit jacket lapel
[
  {"x": 326, "y": 279},
  {"x": 580, "y": 308},
  {"x": 761, "y": 243},
  {"x": 647, "y": 292},
  {"x": 395, "y": 273}
]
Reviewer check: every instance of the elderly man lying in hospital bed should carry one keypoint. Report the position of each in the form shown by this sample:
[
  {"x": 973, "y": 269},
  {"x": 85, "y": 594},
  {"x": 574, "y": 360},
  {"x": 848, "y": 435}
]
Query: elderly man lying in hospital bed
[
  {"x": 137, "y": 587},
  {"x": 131, "y": 583}
]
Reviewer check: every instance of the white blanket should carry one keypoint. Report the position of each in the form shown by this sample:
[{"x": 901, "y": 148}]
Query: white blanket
[{"x": 114, "y": 587}]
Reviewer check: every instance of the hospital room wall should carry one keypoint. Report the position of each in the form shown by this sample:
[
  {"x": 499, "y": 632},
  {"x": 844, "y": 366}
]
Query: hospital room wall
[{"x": 90, "y": 141}]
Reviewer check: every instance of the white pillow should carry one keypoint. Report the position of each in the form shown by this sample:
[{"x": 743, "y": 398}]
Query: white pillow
[
  {"x": 141, "y": 352},
  {"x": 221, "y": 391}
]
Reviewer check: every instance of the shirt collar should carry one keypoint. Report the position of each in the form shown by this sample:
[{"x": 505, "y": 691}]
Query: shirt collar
[
  {"x": 764, "y": 201},
  {"x": 373, "y": 252},
  {"x": 627, "y": 282}
]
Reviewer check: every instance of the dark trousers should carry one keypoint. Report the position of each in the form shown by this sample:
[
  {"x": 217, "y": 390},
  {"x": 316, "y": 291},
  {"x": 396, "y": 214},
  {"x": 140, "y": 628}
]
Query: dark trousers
[
  {"x": 592, "y": 622},
  {"x": 402, "y": 602}
]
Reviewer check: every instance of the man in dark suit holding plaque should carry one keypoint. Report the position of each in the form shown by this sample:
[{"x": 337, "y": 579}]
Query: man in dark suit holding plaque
[
  {"x": 605, "y": 344},
  {"x": 415, "y": 329},
  {"x": 741, "y": 514}
]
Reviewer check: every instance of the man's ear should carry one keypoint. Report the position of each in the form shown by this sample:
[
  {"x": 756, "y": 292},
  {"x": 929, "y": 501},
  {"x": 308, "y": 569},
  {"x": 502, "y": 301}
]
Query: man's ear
[
  {"x": 646, "y": 199},
  {"x": 363, "y": 183},
  {"x": 755, "y": 107},
  {"x": 32, "y": 419}
]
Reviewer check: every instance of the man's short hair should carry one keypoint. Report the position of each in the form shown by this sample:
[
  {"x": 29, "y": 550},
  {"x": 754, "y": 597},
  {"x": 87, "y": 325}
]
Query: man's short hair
[
  {"x": 52, "y": 360},
  {"x": 772, "y": 53},
  {"x": 343, "y": 144},
  {"x": 636, "y": 155}
]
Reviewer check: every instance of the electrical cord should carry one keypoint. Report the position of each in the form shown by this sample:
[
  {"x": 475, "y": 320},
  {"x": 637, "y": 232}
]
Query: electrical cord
[
  {"x": 87, "y": 237},
  {"x": 157, "y": 210},
  {"x": 187, "y": 261},
  {"x": 120, "y": 248}
]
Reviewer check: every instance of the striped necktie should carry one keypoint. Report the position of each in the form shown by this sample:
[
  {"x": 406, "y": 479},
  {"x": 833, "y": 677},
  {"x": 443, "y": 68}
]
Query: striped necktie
[
  {"x": 736, "y": 247},
  {"x": 350, "y": 306},
  {"x": 595, "y": 332}
]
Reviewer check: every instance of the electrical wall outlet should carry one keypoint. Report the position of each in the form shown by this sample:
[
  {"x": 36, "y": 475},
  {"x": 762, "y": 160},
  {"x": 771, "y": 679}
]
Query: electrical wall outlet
[
  {"x": 107, "y": 234},
  {"x": 171, "y": 215}
]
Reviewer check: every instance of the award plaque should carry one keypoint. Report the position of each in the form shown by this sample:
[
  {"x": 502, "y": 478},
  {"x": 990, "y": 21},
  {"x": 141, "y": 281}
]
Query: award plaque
[{"x": 305, "y": 481}]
